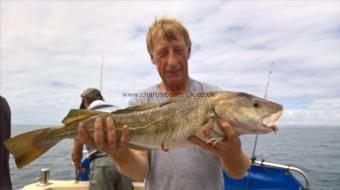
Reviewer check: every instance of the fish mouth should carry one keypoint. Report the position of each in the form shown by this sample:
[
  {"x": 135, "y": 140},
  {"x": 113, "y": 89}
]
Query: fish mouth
[{"x": 269, "y": 121}]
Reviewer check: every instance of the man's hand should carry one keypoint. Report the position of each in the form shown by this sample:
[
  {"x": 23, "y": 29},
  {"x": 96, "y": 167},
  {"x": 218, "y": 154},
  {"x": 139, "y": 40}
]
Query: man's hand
[
  {"x": 77, "y": 166},
  {"x": 234, "y": 160},
  {"x": 113, "y": 145},
  {"x": 131, "y": 163},
  {"x": 77, "y": 154},
  {"x": 230, "y": 144}
]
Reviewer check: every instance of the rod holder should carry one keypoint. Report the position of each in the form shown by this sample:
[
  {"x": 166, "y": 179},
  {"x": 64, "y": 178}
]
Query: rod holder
[{"x": 44, "y": 175}]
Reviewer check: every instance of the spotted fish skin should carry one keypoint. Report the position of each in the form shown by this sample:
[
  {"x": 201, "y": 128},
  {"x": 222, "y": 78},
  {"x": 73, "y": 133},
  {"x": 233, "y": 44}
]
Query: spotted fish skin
[{"x": 166, "y": 125}]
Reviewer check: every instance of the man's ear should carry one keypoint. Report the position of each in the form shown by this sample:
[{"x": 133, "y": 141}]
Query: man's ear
[{"x": 86, "y": 103}]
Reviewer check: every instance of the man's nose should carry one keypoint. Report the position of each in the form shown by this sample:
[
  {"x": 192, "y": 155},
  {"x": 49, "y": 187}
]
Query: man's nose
[{"x": 172, "y": 59}]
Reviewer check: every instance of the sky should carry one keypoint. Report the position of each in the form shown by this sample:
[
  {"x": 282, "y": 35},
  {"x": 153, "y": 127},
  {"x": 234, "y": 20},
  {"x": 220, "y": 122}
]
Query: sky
[{"x": 50, "y": 51}]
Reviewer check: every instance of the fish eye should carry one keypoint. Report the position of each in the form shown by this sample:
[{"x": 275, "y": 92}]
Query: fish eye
[{"x": 256, "y": 104}]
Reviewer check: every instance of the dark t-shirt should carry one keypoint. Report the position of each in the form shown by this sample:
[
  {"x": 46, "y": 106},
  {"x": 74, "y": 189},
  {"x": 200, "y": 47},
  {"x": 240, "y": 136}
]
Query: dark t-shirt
[{"x": 5, "y": 133}]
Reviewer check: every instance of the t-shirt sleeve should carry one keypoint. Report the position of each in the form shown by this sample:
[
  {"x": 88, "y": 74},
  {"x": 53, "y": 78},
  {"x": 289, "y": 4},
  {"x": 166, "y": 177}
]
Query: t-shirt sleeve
[
  {"x": 137, "y": 101},
  {"x": 214, "y": 88},
  {"x": 205, "y": 87},
  {"x": 133, "y": 102}
]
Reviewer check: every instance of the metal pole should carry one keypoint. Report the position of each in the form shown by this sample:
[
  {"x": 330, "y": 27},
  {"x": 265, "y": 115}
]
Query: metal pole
[{"x": 253, "y": 158}]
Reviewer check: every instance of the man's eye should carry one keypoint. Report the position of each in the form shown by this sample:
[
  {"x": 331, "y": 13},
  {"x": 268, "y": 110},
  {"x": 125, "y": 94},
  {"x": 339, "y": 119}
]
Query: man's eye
[
  {"x": 162, "y": 54},
  {"x": 179, "y": 51}
]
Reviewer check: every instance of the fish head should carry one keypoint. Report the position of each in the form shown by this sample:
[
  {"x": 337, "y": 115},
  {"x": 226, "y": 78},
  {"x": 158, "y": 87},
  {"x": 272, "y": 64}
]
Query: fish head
[{"x": 246, "y": 113}]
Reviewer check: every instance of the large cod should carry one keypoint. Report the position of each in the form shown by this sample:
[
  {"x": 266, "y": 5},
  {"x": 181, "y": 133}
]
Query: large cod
[{"x": 166, "y": 126}]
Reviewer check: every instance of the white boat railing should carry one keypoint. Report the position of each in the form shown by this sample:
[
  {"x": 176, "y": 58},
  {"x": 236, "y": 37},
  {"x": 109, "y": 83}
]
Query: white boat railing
[{"x": 288, "y": 168}]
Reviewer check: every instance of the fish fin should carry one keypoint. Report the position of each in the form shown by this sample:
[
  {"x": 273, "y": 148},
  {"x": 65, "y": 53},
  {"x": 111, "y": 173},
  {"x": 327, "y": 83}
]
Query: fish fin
[
  {"x": 173, "y": 100},
  {"x": 79, "y": 114},
  {"x": 148, "y": 106},
  {"x": 185, "y": 96},
  {"x": 29, "y": 146},
  {"x": 205, "y": 130},
  {"x": 140, "y": 107},
  {"x": 138, "y": 147},
  {"x": 163, "y": 147}
]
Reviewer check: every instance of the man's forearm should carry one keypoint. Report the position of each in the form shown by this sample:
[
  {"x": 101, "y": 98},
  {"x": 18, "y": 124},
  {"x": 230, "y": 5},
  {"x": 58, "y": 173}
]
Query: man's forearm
[
  {"x": 132, "y": 163},
  {"x": 236, "y": 166},
  {"x": 77, "y": 151}
]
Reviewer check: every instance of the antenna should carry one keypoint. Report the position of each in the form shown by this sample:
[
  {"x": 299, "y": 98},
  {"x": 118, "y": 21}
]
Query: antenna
[
  {"x": 101, "y": 74},
  {"x": 253, "y": 158}
]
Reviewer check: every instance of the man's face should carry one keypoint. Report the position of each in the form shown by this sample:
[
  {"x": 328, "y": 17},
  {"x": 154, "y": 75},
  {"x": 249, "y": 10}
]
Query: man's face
[{"x": 171, "y": 58}]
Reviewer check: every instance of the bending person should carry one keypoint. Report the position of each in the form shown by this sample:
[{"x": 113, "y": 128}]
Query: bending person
[{"x": 103, "y": 173}]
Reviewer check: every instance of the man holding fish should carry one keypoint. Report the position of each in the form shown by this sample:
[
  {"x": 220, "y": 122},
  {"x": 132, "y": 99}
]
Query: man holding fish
[
  {"x": 198, "y": 123},
  {"x": 195, "y": 167}
]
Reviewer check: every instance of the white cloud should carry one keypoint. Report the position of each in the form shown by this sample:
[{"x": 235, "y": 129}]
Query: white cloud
[{"x": 51, "y": 51}]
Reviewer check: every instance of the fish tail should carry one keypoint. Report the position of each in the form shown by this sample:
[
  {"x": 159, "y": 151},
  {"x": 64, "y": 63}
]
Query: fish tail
[{"x": 29, "y": 146}]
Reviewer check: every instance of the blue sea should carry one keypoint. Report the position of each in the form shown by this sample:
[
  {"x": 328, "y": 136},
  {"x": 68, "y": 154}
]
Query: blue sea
[{"x": 315, "y": 150}]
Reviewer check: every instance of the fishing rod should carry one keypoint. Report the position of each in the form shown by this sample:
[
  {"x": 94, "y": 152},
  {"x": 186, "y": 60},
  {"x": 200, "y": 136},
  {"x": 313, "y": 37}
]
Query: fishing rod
[{"x": 253, "y": 157}]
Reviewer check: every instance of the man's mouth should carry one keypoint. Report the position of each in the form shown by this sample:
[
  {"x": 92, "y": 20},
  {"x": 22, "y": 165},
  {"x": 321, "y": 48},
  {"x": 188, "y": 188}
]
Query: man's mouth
[{"x": 176, "y": 73}]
